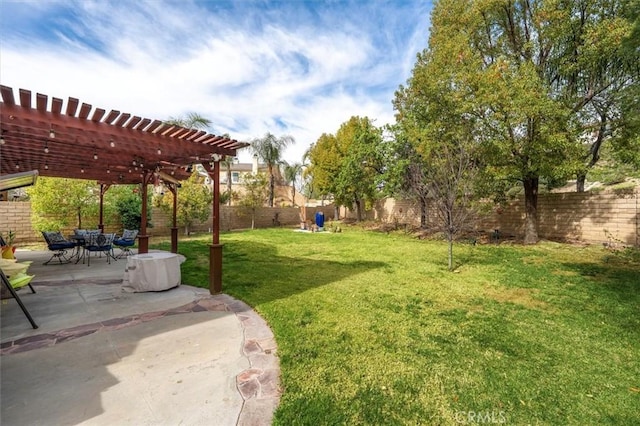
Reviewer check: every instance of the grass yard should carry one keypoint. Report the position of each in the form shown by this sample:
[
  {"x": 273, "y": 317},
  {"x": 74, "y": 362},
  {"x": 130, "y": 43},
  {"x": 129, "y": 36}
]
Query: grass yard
[{"x": 372, "y": 329}]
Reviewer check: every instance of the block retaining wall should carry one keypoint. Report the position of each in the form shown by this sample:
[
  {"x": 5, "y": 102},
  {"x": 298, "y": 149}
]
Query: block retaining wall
[
  {"x": 593, "y": 218},
  {"x": 16, "y": 216},
  {"x": 589, "y": 217}
]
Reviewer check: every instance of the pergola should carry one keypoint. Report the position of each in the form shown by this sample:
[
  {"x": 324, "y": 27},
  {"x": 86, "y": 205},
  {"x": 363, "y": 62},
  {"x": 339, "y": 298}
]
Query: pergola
[{"x": 75, "y": 140}]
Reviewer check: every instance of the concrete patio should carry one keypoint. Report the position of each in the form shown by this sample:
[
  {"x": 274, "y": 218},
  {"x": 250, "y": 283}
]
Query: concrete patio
[{"x": 102, "y": 356}]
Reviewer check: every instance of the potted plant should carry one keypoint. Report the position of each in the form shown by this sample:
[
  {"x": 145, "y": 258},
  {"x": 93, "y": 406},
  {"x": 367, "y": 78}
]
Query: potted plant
[{"x": 8, "y": 249}]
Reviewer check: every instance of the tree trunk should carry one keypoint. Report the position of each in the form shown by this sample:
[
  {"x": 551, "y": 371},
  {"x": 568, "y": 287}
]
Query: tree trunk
[
  {"x": 253, "y": 219},
  {"x": 271, "y": 186},
  {"x": 336, "y": 212},
  {"x": 531, "y": 210},
  {"x": 293, "y": 200},
  {"x": 358, "y": 210},
  {"x": 594, "y": 152},
  {"x": 229, "y": 183},
  {"x": 423, "y": 213},
  {"x": 450, "y": 238},
  {"x": 580, "y": 181},
  {"x": 79, "y": 219}
]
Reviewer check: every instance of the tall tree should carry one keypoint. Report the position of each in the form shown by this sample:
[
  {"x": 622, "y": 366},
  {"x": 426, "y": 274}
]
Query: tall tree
[
  {"x": 269, "y": 150},
  {"x": 599, "y": 71},
  {"x": 255, "y": 194},
  {"x": 436, "y": 141},
  {"x": 626, "y": 141},
  {"x": 192, "y": 120},
  {"x": 405, "y": 175},
  {"x": 511, "y": 66},
  {"x": 194, "y": 198},
  {"x": 54, "y": 201},
  {"x": 227, "y": 162},
  {"x": 293, "y": 172},
  {"x": 324, "y": 158},
  {"x": 194, "y": 202},
  {"x": 126, "y": 203},
  {"x": 349, "y": 164}
]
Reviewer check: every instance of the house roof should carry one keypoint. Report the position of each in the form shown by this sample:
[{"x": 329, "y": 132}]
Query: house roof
[{"x": 75, "y": 140}]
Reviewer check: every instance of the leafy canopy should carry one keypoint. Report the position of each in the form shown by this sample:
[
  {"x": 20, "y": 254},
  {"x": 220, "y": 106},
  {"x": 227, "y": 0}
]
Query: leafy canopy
[
  {"x": 57, "y": 203},
  {"x": 194, "y": 201},
  {"x": 349, "y": 164},
  {"x": 532, "y": 78}
]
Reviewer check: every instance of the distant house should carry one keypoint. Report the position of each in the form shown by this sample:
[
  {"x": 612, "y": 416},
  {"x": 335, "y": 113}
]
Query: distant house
[{"x": 239, "y": 170}]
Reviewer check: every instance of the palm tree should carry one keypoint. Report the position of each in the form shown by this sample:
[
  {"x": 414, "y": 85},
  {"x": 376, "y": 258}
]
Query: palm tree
[
  {"x": 269, "y": 149},
  {"x": 193, "y": 120},
  {"x": 291, "y": 174},
  {"x": 227, "y": 162}
]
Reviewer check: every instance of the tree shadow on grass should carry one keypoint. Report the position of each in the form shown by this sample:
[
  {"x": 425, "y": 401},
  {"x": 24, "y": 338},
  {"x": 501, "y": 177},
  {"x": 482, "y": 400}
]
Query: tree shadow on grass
[
  {"x": 255, "y": 273},
  {"x": 612, "y": 290}
]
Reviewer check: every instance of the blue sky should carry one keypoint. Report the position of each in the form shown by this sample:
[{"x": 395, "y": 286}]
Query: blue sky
[{"x": 288, "y": 67}]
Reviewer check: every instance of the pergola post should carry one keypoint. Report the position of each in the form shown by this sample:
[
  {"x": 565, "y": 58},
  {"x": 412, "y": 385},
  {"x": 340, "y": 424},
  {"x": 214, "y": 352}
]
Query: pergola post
[
  {"x": 103, "y": 189},
  {"x": 143, "y": 238},
  {"x": 174, "y": 227},
  {"x": 215, "y": 250}
]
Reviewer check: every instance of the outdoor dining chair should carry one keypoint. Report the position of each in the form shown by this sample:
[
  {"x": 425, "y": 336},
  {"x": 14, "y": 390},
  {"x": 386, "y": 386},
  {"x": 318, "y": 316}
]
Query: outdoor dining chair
[
  {"x": 59, "y": 246},
  {"x": 80, "y": 236},
  {"x": 125, "y": 242},
  {"x": 99, "y": 243}
]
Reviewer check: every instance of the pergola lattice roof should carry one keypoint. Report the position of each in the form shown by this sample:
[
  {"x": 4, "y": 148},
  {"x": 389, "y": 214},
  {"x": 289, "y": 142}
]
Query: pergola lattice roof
[{"x": 75, "y": 140}]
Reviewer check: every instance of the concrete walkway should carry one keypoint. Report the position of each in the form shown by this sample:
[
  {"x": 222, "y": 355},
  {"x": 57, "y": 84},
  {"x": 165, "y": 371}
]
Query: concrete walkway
[{"x": 102, "y": 356}]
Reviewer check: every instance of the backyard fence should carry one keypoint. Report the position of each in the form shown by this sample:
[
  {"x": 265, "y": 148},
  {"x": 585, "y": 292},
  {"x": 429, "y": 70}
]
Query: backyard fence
[
  {"x": 605, "y": 217},
  {"x": 16, "y": 216}
]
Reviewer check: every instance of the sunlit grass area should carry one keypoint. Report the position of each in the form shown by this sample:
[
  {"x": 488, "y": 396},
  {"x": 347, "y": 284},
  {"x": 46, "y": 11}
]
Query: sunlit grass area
[{"x": 373, "y": 329}]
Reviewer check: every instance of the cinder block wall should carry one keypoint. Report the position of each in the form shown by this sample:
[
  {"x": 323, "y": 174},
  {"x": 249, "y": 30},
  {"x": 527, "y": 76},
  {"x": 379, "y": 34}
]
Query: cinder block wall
[
  {"x": 589, "y": 217},
  {"x": 16, "y": 216},
  {"x": 595, "y": 218}
]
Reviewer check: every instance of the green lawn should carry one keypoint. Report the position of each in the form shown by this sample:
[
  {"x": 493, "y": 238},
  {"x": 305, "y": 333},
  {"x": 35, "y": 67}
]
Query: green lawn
[{"x": 372, "y": 328}]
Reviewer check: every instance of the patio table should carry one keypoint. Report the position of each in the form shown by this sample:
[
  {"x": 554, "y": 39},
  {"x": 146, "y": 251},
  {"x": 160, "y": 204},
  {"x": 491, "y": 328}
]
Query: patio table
[
  {"x": 152, "y": 272},
  {"x": 79, "y": 250}
]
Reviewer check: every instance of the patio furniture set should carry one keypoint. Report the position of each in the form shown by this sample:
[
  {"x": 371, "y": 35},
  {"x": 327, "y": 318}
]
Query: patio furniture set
[
  {"x": 158, "y": 271},
  {"x": 82, "y": 243}
]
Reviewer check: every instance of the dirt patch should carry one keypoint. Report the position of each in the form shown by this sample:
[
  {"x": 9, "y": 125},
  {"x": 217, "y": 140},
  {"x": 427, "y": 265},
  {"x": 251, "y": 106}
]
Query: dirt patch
[
  {"x": 533, "y": 260},
  {"x": 520, "y": 296},
  {"x": 562, "y": 273}
]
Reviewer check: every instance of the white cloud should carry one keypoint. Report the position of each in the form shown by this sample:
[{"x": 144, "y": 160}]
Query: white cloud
[{"x": 250, "y": 71}]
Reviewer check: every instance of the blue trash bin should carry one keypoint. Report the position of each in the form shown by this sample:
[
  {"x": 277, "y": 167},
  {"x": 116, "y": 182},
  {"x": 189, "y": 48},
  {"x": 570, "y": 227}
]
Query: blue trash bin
[{"x": 320, "y": 219}]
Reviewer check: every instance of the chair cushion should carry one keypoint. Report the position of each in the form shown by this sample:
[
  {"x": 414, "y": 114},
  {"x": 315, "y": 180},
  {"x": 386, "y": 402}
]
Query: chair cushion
[
  {"x": 62, "y": 246},
  {"x": 54, "y": 237},
  {"x": 124, "y": 242},
  {"x": 20, "y": 280},
  {"x": 129, "y": 234}
]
